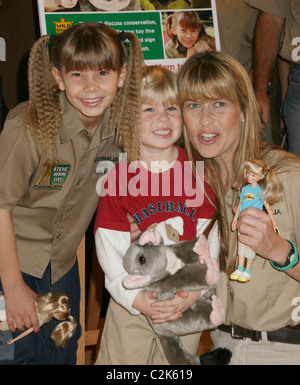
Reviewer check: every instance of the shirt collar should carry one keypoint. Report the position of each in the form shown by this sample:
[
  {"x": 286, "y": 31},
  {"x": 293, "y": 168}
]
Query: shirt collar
[
  {"x": 71, "y": 124},
  {"x": 180, "y": 48}
]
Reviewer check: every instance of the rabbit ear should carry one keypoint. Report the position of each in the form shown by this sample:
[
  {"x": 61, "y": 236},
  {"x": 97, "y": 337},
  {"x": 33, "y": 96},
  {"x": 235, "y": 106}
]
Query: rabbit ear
[
  {"x": 135, "y": 281},
  {"x": 148, "y": 236}
]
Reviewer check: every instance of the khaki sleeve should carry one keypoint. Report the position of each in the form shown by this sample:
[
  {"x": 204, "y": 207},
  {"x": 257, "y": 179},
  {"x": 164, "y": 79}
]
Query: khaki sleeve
[
  {"x": 294, "y": 202},
  {"x": 278, "y": 8},
  {"x": 19, "y": 158}
]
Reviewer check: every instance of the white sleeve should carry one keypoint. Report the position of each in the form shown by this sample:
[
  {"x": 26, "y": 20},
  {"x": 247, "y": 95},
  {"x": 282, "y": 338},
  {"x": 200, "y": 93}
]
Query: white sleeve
[
  {"x": 213, "y": 236},
  {"x": 111, "y": 246}
]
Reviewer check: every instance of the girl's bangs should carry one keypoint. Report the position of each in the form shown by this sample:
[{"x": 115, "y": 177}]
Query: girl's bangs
[
  {"x": 92, "y": 55},
  {"x": 189, "y": 20}
]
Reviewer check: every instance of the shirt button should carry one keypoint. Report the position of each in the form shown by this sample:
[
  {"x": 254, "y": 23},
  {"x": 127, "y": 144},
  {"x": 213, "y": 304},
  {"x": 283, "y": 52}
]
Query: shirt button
[
  {"x": 59, "y": 235},
  {"x": 78, "y": 183},
  {"x": 69, "y": 210}
]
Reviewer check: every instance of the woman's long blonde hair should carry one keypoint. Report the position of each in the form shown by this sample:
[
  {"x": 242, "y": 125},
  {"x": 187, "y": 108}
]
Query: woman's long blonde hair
[
  {"x": 89, "y": 45},
  {"x": 211, "y": 75}
]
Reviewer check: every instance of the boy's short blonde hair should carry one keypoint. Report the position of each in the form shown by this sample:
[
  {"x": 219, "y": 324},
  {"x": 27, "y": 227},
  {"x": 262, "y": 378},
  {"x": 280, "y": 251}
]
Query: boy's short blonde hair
[{"x": 159, "y": 83}]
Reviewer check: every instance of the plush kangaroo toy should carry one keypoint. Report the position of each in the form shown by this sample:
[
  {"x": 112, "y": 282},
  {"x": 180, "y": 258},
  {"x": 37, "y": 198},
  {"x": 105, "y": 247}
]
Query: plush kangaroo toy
[{"x": 185, "y": 265}]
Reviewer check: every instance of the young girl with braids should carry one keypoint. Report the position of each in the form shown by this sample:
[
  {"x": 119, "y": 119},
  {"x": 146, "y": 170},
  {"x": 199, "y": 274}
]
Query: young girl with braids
[
  {"x": 53, "y": 150},
  {"x": 263, "y": 189}
]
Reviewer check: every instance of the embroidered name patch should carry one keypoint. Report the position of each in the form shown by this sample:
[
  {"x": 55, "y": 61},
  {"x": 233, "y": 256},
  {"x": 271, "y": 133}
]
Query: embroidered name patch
[
  {"x": 53, "y": 174},
  {"x": 59, "y": 173},
  {"x": 105, "y": 163}
]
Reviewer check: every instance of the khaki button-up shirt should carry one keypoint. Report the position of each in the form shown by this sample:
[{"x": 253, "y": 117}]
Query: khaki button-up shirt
[
  {"x": 52, "y": 205},
  {"x": 236, "y": 22},
  {"x": 290, "y": 10}
]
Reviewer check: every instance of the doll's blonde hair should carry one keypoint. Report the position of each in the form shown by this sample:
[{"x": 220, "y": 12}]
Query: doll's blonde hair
[
  {"x": 270, "y": 183},
  {"x": 56, "y": 305},
  {"x": 89, "y": 45},
  {"x": 53, "y": 305}
]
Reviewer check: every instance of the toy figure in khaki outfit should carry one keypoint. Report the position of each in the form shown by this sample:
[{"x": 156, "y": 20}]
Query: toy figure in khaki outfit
[{"x": 68, "y": 131}]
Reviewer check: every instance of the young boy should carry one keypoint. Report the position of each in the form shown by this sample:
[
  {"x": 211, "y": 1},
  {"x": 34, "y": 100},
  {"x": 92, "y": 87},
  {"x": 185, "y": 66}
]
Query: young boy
[{"x": 151, "y": 192}]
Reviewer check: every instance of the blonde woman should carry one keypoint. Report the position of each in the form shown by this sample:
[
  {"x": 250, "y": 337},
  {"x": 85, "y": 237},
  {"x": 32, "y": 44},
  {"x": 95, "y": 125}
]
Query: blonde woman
[{"x": 223, "y": 125}]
